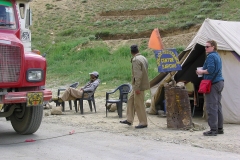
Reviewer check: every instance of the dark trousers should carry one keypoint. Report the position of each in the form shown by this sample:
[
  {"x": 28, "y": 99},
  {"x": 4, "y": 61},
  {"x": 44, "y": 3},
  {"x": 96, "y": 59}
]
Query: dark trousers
[{"x": 214, "y": 106}]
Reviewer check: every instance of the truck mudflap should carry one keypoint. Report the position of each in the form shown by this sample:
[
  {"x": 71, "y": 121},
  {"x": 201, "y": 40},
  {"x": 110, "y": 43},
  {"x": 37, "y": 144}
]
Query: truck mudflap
[{"x": 32, "y": 98}]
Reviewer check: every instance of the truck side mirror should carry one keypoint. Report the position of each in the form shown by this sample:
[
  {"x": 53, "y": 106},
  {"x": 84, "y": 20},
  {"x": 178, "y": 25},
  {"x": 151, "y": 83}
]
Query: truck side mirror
[{"x": 29, "y": 18}]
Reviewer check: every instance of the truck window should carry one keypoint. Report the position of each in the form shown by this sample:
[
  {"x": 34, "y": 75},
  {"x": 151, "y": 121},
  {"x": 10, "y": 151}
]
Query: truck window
[
  {"x": 22, "y": 10},
  {"x": 7, "y": 18}
]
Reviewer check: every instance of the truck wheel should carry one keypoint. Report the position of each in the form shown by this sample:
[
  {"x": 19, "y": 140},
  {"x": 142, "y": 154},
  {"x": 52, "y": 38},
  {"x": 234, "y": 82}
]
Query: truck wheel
[{"x": 27, "y": 119}]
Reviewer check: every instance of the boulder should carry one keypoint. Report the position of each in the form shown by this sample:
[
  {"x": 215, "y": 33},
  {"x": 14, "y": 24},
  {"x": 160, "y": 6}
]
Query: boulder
[
  {"x": 47, "y": 106},
  {"x": 161, "y": 113},
  {"x": 47, "y": 113},
  {"x": 113, "y": 108},
  {"x": 56, "y": 110},
  {"x": 148, "y": 103}
]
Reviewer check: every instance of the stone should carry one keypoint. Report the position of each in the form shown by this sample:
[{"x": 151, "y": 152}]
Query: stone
[
  {"x": 113, "y": 108},
  {"x": 47, "y": 114},
  {"x": 148, "y": 103},
  {"x": 56, "y": 110},
  {"x": 161, "y": 113},
  {"x": 50, "y": 106},
  {"x": 47, "y": 106},
  {"x": 147, "y": 110},
  {"x": 109, "y": 106},
  {"x": 180, "y": 84}
]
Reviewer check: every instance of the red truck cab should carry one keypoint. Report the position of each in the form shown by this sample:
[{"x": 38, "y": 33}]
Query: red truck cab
[{"x": 22, "y": 72}]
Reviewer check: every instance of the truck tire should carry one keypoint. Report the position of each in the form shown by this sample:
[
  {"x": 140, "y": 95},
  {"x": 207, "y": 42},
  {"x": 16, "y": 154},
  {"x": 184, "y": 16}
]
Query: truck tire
[{"x": 27, "y": 120}]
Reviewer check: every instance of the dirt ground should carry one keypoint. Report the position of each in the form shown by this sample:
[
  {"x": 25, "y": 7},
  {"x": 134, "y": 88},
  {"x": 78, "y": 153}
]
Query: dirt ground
[{"x": 156, "y": 130}]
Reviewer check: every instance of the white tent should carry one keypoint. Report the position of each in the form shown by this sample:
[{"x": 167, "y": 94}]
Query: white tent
[{"x": 227, "y": 36}]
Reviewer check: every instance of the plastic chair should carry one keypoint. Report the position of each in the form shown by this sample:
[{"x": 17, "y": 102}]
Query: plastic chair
[
  {"x": 123, "y": 89},
  {"x": 74, "y": 85},
  {"x": 90, "y": 99}
]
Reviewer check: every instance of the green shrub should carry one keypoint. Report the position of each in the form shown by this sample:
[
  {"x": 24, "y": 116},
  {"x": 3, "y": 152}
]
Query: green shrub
[
  {"x": 91, "y": 37},
  {"x": 67, "y": 32},
  {"x": 218, "y": 16},
  {"x": 205, "y": 10},
  {"x": 111, "y": 23},
  {"x": 102, "y": 34},
  {"x": 97, "y": 23},
  {"x": 187, "y": 25},
  {"x": 149, "y": 19},
  {"x": 202, "y": 17},
  {"x": 49, "y": 6},
  {"x": 206, "y": 4},
  {"x": 180, "y": 49}
]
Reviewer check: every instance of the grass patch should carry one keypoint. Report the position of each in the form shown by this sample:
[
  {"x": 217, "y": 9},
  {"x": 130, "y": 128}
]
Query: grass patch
[{"x": 68, "y": 63}]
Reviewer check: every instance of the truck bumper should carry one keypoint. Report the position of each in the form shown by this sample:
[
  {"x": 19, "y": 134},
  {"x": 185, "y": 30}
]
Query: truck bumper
[{"x": 21, "y": 97}]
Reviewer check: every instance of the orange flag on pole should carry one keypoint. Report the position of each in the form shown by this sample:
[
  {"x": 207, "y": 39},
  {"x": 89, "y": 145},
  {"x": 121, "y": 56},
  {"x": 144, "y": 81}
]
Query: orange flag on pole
[{"x": 155, "y": 41}]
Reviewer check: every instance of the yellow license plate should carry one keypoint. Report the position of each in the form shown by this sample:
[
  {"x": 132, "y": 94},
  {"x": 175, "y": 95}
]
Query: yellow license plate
[{"x": 34, "y": 98}]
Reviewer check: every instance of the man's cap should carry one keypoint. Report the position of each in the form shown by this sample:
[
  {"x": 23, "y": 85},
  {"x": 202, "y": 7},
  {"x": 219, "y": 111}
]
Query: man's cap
[
  {"x": 134, "y": 48},
  {"x": 95, "y": 73}
]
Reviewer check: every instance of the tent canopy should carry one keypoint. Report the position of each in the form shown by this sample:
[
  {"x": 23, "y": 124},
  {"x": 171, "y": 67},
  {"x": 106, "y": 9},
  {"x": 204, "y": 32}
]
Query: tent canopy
[{"x": 225, "y": 33}]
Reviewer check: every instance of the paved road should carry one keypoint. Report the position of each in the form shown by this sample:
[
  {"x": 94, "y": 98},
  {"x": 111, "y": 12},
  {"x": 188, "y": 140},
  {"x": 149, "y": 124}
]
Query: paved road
[{"x": 53, "y": 142}]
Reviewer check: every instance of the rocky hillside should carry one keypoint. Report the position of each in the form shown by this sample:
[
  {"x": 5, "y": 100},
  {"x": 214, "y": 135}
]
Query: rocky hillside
[{"x": 60, "y": 20}]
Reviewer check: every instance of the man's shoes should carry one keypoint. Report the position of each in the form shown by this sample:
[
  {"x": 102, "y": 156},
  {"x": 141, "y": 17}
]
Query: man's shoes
[
  {"x": 141, "y": 126},
  {"x": 210, "y": 133},
  {"x": 220, "y": 131},
  {"x": 126, "y": 122}
]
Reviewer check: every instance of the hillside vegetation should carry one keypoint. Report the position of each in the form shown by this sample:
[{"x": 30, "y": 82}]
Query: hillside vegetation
[{"x": 78, "y": 29}]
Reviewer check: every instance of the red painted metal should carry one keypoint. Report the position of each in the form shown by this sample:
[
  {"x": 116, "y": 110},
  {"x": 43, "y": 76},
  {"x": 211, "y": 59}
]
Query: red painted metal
[
  {"x": 21, "y": 97},
  {"x": 14, "y": 63}
]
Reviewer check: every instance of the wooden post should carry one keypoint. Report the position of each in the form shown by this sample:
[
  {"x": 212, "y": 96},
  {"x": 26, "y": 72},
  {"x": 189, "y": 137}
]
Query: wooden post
[{"x": 178, "y": 108}]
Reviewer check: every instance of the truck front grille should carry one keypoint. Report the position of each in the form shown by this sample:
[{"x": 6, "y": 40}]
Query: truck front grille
[{"x": 10, "y": 63}]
